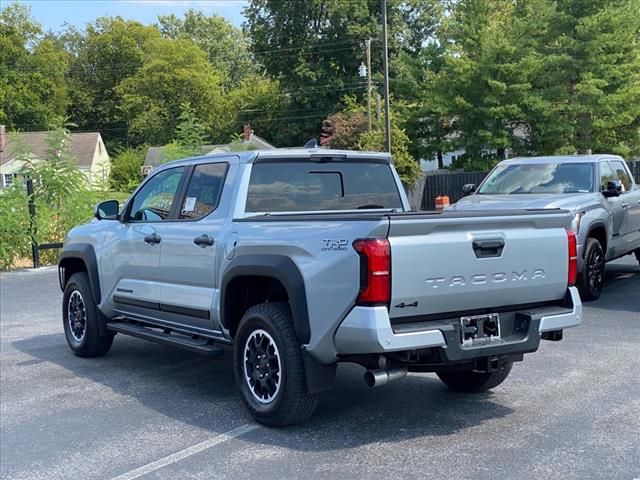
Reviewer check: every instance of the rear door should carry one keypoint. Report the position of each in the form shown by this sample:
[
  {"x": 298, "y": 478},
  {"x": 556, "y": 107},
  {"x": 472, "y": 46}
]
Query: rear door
[
  {"x": 188, "y": 259},
  {"x": 462, "y": 262}
]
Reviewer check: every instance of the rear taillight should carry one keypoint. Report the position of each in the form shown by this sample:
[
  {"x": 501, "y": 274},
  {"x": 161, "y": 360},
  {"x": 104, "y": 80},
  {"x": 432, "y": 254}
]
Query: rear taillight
[
  {"x": 573, "y": 257},
  {"x": 375, "y": 271}
]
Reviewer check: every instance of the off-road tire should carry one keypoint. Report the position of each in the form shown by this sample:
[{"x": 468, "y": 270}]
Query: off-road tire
[
  {"x": 91, "y": 343},
  {"x": 591, "y": 279},
  {"x": 469, "y": 381},
  {"x": 291, "y": 403}
]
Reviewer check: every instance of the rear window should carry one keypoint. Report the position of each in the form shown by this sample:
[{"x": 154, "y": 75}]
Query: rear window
[{"x": 306, "y": 186}]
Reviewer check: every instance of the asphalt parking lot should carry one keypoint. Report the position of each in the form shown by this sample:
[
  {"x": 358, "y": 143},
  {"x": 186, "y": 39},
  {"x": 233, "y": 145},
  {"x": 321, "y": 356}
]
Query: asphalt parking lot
[{"x": 570, "y": 411}]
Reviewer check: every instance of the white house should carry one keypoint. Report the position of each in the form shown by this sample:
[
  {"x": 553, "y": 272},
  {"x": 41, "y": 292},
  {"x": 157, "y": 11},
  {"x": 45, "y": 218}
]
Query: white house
[{"x": 87, "y": 148}]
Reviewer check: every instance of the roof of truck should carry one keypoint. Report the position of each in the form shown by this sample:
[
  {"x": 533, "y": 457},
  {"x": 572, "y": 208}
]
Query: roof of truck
[
  {"x": 285, "y": 153},
  {"x": 561, "y": 159}
]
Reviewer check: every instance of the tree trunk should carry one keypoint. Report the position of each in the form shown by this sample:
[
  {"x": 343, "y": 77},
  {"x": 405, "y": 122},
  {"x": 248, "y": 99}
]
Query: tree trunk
[{"x": 440, "y": 160}]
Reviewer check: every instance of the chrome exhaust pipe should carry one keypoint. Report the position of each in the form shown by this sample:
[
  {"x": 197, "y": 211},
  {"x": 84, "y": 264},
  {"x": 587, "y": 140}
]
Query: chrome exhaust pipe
[{"x": 376, "y": 378}]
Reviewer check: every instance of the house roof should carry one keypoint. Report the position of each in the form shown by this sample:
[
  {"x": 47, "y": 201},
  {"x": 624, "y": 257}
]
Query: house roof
[
  {"x": 155, "y": 155},
  {"x": 260, "y": 143},
  {"x": 82, "y": 146}
]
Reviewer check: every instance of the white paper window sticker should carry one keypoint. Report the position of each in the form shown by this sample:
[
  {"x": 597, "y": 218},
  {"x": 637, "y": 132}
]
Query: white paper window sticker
[{"x": 189, "y": 204}]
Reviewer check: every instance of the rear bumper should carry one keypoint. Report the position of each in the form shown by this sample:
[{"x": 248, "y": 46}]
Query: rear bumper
[{"x": 368, "y": 330}]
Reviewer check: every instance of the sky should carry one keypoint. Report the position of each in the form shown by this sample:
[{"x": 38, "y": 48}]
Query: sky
[{"x": 52, "y": 14}]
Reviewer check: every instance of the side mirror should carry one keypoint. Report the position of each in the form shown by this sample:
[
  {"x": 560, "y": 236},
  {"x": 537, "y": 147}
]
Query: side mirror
[
  {"x": 614, "y": 188},
  {"x": 107, "y": 210},
  {"x": 468, "y": 189}
]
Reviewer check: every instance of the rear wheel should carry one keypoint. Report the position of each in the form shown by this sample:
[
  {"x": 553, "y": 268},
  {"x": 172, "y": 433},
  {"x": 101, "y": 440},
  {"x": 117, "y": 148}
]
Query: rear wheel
[
  {"x": 469, "y": 381},
  {"x": 591, "y": 279},
  {"x": 638, "y": 255},
  {"x": 81, "y": 319},
  {"x": 268, "y": 367}
]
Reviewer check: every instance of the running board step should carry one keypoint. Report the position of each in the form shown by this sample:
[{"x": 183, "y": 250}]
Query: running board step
[{"x": 197, "y": 345}]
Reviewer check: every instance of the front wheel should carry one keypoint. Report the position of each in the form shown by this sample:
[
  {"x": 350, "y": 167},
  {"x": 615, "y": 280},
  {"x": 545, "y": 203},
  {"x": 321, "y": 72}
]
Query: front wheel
[
  {"x": 591, "y": 279},
  {"x": 81, "y": 319},
  {"x": 268, "y": 367},
  {"x": 469, "y": 381}
]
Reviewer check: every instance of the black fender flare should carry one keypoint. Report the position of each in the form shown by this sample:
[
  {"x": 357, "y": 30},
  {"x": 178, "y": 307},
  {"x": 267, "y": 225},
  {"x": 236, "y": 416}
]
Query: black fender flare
[
  {"x": 85, "y": 253},
  {"x": 281, "y": 268},
  {"x": 600, "y": 224}
]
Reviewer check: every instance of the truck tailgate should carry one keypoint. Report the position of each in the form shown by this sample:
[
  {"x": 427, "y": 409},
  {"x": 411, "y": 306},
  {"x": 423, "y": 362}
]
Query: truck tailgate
[{"x": 467, "y": 261}]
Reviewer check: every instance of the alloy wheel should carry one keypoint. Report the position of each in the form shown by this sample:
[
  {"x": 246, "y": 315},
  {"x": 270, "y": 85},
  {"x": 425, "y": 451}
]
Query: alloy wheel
[
  {"x": 596, "y": 270},
  {"x": 77, "y": 316},
  {"x": 262, "y": 366}
]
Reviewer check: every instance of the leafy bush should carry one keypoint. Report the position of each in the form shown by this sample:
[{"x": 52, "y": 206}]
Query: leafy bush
[
  {"x": 407, "y": 167},
  {"x": 15, "y": 242},
  {"x": 125, "y": 169},
  {"x": 62, "y": 198}
]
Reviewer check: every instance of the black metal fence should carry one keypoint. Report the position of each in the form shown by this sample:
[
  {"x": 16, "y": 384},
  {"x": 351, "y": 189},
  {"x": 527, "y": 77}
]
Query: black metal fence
[
  {"x": 447, "y": 183},
  {"x": 450, "y": 183}
]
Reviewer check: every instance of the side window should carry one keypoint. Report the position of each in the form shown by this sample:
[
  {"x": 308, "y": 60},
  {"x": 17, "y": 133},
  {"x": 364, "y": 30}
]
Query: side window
[
  {"x": 623, "y": 174},
  {"x": 606, "y": 175},
  {"x": 154, "y": 200},
  {"x": 203, "y": 193}
]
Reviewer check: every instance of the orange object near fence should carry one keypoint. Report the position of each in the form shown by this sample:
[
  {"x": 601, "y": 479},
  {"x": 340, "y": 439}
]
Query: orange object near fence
[{"x": 441, "y": 202}]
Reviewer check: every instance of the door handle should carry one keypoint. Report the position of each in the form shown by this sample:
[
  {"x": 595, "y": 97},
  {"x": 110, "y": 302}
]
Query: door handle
[
  {"x": 488, "y": 248},
  {"x": 203, "y": 240},
  {"x": 625, "y": 205},
  {"x": 152, "y": 239}
]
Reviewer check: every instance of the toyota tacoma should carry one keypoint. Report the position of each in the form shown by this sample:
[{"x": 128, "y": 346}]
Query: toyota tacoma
[{"x": 305, "y": 258}]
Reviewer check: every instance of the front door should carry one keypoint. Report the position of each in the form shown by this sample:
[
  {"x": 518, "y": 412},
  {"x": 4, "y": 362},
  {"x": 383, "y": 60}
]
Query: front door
[
  {"x": 618, "y": 213},
  {"x": 189, "y": 247},
  {"x": 134, "y": 261},
  {"x": 630, "y": 203}
]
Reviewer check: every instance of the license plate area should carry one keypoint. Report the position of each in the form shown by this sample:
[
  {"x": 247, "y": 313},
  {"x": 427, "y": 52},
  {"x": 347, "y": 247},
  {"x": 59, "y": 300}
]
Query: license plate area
[{"x": 479, "y": 329}]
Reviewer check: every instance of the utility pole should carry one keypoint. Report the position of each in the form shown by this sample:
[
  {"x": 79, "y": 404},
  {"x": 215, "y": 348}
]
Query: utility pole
[
  {"x": 385, "y": 70},
  {"x": 369, "y": 81}
]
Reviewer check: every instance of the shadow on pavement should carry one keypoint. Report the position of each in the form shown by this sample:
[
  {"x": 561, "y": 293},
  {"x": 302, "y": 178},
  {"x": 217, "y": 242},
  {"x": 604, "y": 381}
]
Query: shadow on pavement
[
  {"x": 622, "y": 288},
  {"x": 187, "y": 387}
]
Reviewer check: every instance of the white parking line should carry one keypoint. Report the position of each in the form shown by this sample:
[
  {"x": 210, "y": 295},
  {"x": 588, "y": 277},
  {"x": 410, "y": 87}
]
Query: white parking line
[{"x": 187, "y": 452}]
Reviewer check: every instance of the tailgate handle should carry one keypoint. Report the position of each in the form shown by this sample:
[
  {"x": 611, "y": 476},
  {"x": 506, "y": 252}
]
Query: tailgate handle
[{"x": 488, "y": 248}]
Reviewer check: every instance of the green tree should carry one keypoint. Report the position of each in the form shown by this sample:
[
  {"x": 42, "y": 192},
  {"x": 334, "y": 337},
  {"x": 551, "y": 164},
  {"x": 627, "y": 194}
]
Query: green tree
[
  {"x": 315, "y": 52},
  {"x": 596, "y": 47},
  {"x": 540, "y": 77},
  {"x": 406, "y": 165},
  {"x": 227, "y": 47},
  {"x": 190, "y": 133},
  {"x": 256, "y": 99},
  {"x": 33, "y": 91},
  {"x": 109, "y": 51},
  {"x": 173, "y": 72}
]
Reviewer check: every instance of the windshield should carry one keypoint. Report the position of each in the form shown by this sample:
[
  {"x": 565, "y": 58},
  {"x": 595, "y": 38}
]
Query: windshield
[{"x": 539, "y": 178}]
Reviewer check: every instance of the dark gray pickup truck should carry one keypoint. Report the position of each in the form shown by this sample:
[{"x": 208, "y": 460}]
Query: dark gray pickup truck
[{"x": 598, "y": 190}]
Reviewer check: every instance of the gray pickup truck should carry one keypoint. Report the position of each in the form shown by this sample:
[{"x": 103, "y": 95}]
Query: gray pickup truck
[
  {"x": 304, "y": 258},
  {"x": 598, "y": 190}
]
